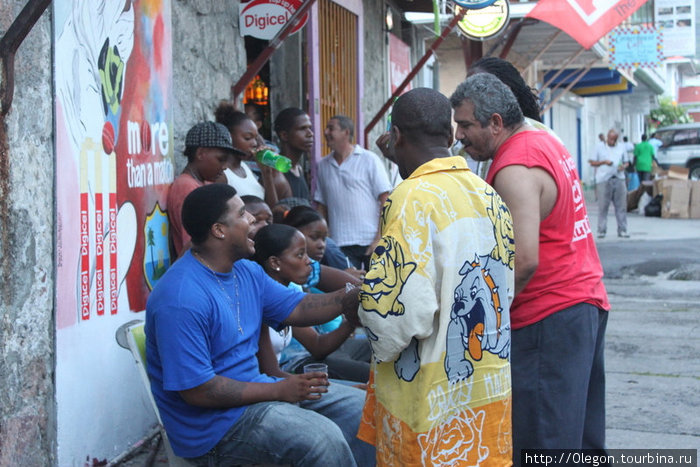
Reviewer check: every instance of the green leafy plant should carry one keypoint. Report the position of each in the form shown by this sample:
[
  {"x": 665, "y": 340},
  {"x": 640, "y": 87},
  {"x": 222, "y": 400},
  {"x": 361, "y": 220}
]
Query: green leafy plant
[{"x": 668, "y": 113}]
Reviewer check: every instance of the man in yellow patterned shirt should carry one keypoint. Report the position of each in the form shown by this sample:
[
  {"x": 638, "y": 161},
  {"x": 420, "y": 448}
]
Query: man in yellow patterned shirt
[{"x": 435, "y": 303}]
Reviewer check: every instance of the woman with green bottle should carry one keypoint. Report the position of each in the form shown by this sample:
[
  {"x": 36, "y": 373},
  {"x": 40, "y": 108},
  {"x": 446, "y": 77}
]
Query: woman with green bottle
[{"x": 272, "y": 185}]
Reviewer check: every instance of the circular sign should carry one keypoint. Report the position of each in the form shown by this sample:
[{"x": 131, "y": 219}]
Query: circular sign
[
  {"x": 484, "y": 23},
  {"x": 474, "y": 4}
]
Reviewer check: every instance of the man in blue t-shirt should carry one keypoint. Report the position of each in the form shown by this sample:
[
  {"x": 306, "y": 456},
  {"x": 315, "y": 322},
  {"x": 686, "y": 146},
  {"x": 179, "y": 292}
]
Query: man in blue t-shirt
[{"x": 203, "y": 324}]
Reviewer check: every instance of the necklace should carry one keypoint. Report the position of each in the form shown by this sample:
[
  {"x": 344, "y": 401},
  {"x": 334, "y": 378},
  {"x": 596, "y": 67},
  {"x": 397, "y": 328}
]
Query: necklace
[
  {"x": 196, "y": 177},
  {"x": 237, "y": 309}
]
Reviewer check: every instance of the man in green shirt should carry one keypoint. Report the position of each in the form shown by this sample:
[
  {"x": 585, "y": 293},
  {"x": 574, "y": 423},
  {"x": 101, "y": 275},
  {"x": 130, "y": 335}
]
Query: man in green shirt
[{"x": 643, "y": 157}]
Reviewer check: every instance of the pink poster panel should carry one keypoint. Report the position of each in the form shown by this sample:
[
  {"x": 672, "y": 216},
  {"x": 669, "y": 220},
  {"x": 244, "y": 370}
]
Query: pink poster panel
[
  {"x": 114, "y": 149},
  {"x": 399, "y": 62}
]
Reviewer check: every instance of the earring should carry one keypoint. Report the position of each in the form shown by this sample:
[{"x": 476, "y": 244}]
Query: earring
[
  {"x": 221, "y": 236},
  {"x": 277, "y": 269}
]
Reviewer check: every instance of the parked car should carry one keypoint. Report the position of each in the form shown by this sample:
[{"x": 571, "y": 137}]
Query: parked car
[{"x": 680, "y": 146}]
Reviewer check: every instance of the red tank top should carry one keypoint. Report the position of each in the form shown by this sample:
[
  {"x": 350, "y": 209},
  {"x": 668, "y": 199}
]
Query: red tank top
[{"x": 569, "y": 270}]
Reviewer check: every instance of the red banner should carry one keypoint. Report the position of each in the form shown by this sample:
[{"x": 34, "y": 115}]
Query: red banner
[{"x": 585, "y": 21}]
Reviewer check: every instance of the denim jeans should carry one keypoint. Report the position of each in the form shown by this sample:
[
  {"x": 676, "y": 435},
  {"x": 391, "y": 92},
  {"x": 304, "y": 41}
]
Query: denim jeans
[{"x": 313, "y": 433}]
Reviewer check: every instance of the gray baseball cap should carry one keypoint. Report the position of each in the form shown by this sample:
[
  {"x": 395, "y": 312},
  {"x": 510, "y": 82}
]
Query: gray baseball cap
[{"x": 209, "y": 135}]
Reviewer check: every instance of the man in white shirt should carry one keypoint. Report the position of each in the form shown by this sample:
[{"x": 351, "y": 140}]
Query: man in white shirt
[
  {"x": 351, "y": 187},
  {"x": 610, "y": 162}
]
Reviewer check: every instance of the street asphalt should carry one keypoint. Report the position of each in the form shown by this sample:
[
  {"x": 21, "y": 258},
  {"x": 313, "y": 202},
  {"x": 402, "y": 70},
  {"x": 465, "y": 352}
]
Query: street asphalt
[{"x": 653, "y": 335}]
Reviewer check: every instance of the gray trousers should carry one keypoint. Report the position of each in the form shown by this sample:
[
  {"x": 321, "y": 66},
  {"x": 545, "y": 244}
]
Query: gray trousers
[
  {"x": 614, "y": 190},
  {"x": 558, "y": 370}
]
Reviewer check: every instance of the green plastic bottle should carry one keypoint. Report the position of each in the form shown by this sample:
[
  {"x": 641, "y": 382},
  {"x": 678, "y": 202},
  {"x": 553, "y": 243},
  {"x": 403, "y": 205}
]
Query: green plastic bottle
[{"x": 269, "y": 158}]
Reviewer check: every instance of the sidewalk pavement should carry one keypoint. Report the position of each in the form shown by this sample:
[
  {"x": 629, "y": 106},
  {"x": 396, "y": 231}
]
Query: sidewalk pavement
[
  {"x": 640, "y": 227},
  {"x": 652, "y": 339}
]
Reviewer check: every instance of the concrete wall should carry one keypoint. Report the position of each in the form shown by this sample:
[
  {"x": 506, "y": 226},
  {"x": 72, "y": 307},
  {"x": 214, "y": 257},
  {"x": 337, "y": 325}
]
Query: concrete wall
[
  {"x": 376, "y": 90},
  {"x": 452, "y": 67},
  {"x": 208, "y": 54},
  {"x": 27, "y": 409},
  {"x": 286, "y": 74}
]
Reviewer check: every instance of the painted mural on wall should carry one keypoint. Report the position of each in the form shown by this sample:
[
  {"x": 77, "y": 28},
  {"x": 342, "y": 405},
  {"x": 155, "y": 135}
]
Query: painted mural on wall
[{"x": 114, "y": 149}]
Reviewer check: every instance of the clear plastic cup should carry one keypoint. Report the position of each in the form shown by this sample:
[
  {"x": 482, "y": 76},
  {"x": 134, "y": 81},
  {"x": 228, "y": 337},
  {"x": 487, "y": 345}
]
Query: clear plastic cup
[{"x": 314, "y": 367}]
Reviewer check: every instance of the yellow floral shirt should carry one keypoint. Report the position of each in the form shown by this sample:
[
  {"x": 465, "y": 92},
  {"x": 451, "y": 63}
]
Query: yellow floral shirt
[{"x": 435, "y": 306}]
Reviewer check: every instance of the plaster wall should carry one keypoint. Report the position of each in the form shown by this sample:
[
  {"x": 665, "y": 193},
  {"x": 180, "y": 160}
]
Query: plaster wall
[
  {"x": 208, "y": 57},
  {"x": 27, "y": 406},
  {"x": 452, "y": 67},
  {"x": 286, "y": 77},
  {"x": 376, "y": 80},
  {"x": 100, "y": 417}
]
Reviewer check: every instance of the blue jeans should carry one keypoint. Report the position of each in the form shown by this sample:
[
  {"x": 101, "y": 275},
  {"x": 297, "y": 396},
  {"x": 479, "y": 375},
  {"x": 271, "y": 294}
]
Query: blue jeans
[{"x": 313, "y": 433}]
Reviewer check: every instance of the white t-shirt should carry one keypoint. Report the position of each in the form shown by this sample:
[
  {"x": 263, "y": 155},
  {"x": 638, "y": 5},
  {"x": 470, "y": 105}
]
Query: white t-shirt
[
  {"x": 247, "y": 185},
  {"x": 280, "y": 340}
]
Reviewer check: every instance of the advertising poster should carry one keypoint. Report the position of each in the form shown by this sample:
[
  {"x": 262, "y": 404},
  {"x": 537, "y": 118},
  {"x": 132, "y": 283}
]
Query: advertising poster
[
  {"x": 114, "y": 148},
  {"x": 676, "y": 18},
  {"x": 114, "y": 164}
]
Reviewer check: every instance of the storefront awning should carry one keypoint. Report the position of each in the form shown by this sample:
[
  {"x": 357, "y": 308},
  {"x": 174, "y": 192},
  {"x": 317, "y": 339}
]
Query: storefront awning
[{"x": 596, "y": 82}]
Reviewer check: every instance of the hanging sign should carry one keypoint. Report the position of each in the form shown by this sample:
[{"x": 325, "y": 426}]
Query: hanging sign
[
  {"x": 263, "y": 19},
  {"x": 484, "y": 23},
  {"x": 637, "y": 47}
]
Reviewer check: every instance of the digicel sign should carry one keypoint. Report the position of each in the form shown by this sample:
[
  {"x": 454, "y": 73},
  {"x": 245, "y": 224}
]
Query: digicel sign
[{"x": 265, "y": 18}]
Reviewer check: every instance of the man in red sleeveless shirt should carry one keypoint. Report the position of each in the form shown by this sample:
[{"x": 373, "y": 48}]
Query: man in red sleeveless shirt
[{"x": 559, "y": 313}]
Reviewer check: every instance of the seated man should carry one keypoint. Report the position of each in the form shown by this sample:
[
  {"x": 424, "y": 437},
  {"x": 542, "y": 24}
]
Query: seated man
[{"x": 203, "y": 324}]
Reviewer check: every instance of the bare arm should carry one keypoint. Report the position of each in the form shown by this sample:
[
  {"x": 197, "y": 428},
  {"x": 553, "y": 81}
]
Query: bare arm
[
  {"x": 268, "y": 182},
  {"x": 282, "y": 186},
  {"x": 321, "y": 308},
  {"x": 381, "y": 200},
  {"x": 332, "y": 279},
  {"x": 266, "y": 355},
  {"x": 530, "y": 194},
  {"x": 223, "y": 392},
  {"x": 320, "y": 345}
]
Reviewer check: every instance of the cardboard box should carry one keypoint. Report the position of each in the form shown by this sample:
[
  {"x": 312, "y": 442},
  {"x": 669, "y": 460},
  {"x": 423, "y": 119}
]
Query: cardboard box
[
  {"x": 657, "y": 186},
  {"x": 676, "y": 198},
  {"x": 694, "y": 199},
  {"x": 677, "y": 172}
]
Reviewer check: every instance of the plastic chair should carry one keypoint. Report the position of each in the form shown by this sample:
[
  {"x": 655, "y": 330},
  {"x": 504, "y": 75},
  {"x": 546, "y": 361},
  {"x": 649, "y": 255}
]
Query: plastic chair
[{"x": 131, "y": 336}]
